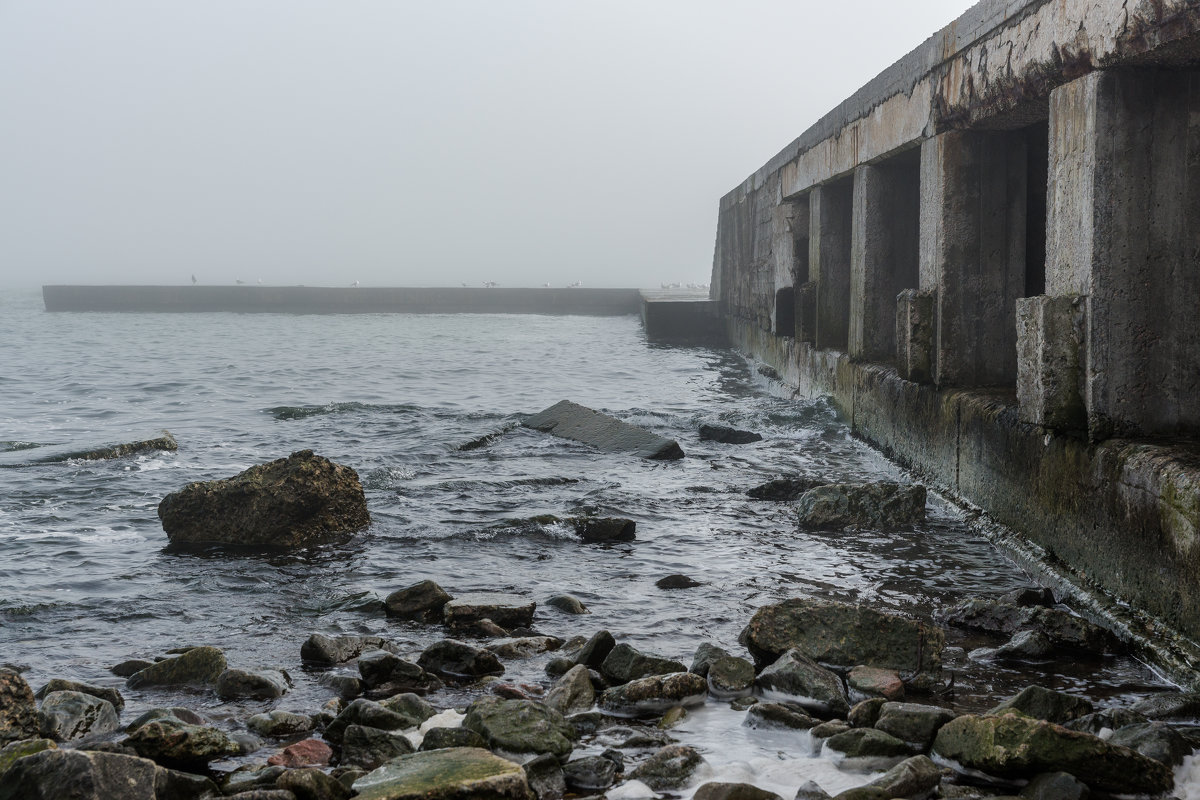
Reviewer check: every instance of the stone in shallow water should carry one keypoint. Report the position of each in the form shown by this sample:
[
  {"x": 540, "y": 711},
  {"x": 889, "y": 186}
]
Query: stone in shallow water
[
  {"x": 454, "y": 659},
  {"x": 1042, "y": 703},
  {"x": 199, "y": 666},
  {"x": 422, "y": 602},
  {"x": 311, "y": 782},
  {"x": 369, "y": 748},
  {"x": 655, "y": 694},
  {"x": 733, "y": 791},
  {"x": 866, "y": 749},
  {"x": 730, "y": 677},
  {"x": 505, "y": 610},
  {"x": 727, "y": 435},
  {"x": 371, "y": 714},
  {"x": 596, "y": 649},
  {"x": 545, "y": 777},
  {"x": 625, "y": 663},
  {"x": 308, "y": 753},
  {"x": 568, "y": 604},
  {"x": 322, "y": 649},
  {"x": 798, "y": 679},
  {"x": 520, "y": 727},
  {"x": 174, "y": 743},
  {"x": 867, "y": 682},
  {"x": 677, "y": 581},
  {"x": 589, "y": 774},
  {"x": 103, "y": 692},
  {"x": 877, "y": 505},
  {"x": 913, "y": 723},
  {"x": 73, "y": 715},
  {"x": 671, "y": 767},
  {"x": 280, "y": 723},
  {"x": 572, "y": 692},
  {"x": 779, "y": 715},
  {"x": 573, "y": 421},
  {"x": 782, "y": 490},
  {"x": 266, "y": 684},
  {"x": 445, "y": 774}
]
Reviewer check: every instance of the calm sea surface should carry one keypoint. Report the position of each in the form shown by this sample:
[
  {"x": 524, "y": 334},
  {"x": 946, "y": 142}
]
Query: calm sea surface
[{"x": 85, "y": 581}]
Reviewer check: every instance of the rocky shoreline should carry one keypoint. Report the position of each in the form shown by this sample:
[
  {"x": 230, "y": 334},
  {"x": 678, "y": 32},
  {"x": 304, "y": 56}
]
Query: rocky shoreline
[{"x": 863, "y": 688}]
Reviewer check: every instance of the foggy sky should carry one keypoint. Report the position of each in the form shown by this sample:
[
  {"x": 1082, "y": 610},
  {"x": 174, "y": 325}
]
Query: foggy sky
[{"x": 407, "y": 143}]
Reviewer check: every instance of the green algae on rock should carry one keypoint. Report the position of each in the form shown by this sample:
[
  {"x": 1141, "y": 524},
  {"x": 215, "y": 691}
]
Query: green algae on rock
[{"x": 452, "y": 773}]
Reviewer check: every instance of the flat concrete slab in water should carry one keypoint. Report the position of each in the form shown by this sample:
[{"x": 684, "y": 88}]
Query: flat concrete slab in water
[{"x": 573, "y": 421}]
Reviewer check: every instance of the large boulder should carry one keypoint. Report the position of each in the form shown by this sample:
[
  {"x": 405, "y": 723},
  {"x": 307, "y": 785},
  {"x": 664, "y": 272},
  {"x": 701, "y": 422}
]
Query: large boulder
[
  {"x": 874, "y": 505},
  {"x": 449, "y": 774},
  {"x": 795, "y": 678},
  {"x": 290, "y": 502},
  {"x": 573, "y": 421},
  {"x": 522, "y": 728},
  {"x": 654, "y": 694},
  {"x": 199, "y": 666},
  {"x": 73, "y": 715},
  {"x": 18, "y": 711},
  {"x": 843, "y": 635},
  {"x": 1016, "y": 747}
]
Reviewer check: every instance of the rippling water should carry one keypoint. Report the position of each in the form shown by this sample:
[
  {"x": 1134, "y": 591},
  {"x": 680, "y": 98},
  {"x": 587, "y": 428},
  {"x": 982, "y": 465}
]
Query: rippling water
[{"x": 85, "y": 581}]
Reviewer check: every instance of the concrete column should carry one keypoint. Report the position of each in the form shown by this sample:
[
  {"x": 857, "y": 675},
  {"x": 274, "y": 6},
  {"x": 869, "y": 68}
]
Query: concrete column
[
  {"x": 806, "y": 312},
  {"x": 1124, "y": 229},
  {"x": 831, "y": 211},
  {"x": 914, "y": 334},
  {"x": 883, "y": 256},
  {"x": 1050, "y": 355},
  {"x": 972, "y": 252}
]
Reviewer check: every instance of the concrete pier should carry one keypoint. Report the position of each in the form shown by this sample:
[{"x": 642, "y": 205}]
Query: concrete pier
[
  {"x": 991, "y": 254},
  {"x": 330, "y": 300}
]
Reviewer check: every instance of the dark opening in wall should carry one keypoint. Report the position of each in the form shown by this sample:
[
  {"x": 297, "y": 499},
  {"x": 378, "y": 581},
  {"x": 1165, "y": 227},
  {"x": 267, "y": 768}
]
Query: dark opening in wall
[
  {"x": 1037, "y": 166},
  {"x": 886, "y": 253},
  {"x": 802, "y": 313},
  {"x": 785, "y": 312},
  {"x": 832, "y": 209}
]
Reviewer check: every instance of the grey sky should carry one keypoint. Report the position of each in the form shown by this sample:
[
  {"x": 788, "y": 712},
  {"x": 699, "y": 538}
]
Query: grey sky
[{"x": 395, "y": 143}]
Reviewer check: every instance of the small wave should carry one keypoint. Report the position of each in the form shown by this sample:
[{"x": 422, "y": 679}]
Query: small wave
[
  {"x": 466, "y": 485},
  {"x": 12, "y": 446},
  {"x": 486, "y": 439},
  {"x": 303, "y": 412},
  {"x": 388, "y": 477}
]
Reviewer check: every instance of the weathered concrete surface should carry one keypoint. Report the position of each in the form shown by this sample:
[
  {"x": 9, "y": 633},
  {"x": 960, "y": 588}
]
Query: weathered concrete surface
[
  {"x": 573, "y": 421},
  {"x": 681, "y": 320},
  {"x": 331, "y": 300},
  {"x": 1050, "y": 361},
  {"x": 829, "y": 261},
  {"x": 1057, "y": 491}
]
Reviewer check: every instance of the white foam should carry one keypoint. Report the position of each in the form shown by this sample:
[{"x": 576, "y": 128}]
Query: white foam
[{"x": 1187, "y": 778}]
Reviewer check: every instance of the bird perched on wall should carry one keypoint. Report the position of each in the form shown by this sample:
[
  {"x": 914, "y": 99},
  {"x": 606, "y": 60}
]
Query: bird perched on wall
[
  {"x": 355, "y": 284},
  {"x": 193, "y": 280}
]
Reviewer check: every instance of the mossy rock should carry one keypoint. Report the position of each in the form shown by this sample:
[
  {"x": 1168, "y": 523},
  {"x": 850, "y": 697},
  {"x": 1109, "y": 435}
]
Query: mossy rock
[
  {"x": 454, "y": 773},
  {"x": 200, "y": 666},
  {"x": 520, "y": 727}
]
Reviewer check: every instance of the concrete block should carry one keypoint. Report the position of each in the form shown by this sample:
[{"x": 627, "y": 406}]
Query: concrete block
[
  {"x": 914, "y": 334},
  {"x": 806, "y": 312},
  {"x": 573, "y": 421},
  {"x": 1050, "y": 361}
]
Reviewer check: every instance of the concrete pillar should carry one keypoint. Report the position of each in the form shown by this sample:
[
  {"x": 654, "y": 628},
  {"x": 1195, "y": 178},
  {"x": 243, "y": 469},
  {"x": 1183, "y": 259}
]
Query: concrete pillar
[
  {"x": 1050, "y": 361},
  {"x": 914, "y": 334},
  {"x": 1124, "y": 229},
  {"x": 883, "y": 255},
  {"x": 831, "y": 211},
  {"x": 972, "y": 252},
  {"x": 806, "y": 312}
]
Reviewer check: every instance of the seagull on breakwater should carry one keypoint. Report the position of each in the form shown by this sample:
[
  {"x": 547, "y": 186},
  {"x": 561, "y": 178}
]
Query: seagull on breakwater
[
  {"x": 355, "y": 284},
  {"x": 193, "y": 280},
  {"x": 575, "y": 285},
  {"x": 240, "y": 283}
]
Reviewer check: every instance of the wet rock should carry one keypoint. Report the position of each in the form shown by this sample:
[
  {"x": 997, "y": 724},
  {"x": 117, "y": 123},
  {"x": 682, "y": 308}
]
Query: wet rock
[
  {"x": 1111, "y": 718},
  {"x": 742, "y": 703},
  {"x": 464, "y": 772},
  {"x": 1056, "y": 786},
  {"x": 1157, "y": 740},
  {"x": 843, "y": 635},
  {"x": 827, "y": 729},
  {"x": 1061, "y": 628},
  {"x": 1041, "y": 703},
  {"x": 280, "y": 723},
  {"x": 524, "y": 646},
  {"x": 809, "y": 790},
  {"x": 176, "y": 713},
  {"x": 572, "y": 692},
  {"x": 672, "y": 717},
  {"x": 596, "y": 649},
  {"x": 410, "y": 705},
  {"x": 199, "y": 666},
  {"x": 165, "y": 443},
  {"x": 520, "y": 727},
  {"x": 251, "y": 776},
  {"x": 266, "y": 684},
  {"x": 568, "y": 604},
  {"x": 670, "y": 768},
  {"x": 291, "y": 502},
  {"x": 677, "y": 582},
  {"x": 370, "y": 747},
  {"x": 505, "y": 610},
  {"x": 80, "y": 775},
  {"x": 866, "y": 713},
  {"x": 127, "y": 668},
  {"x": 573, "y": 421},
  {"x": 586, "y": 722},
  {"x": 311, "y": 783},
  {"x": 866, "y": 750},
  {"x": 779, "y": 715},
  {"x": 385, "y": 674},
  {"x": 545, "y": 777},
  {"x": 65, "y": 716},
  {"x": 371, "y": 714},
  {"x": 437, "y": 738},
  {"x": 706, "y": 653},
  {"x": 559, "y": 666},
  {"x": 863, "y": 793},
  {"x": 912, "y": 777},
  {"x": 727, "y": 435},
  {"x": 21, "y": 748},
  {"x": 346, "y": 687},
  {"x": 730, "y": 677},
  {"x": 589, "y": 774},
  {"x": 103, "y": 692},
  {"x": 798, "y": 679},
  {"x": 1169, "y": 706},
  {"x": 593, "y": 530},
  {"x": 173, "y": 743},
  {"x": 1016, "y": 747},
  {"x": 1023, "y": 646},
  {"x": 625, "y": 663},
  {"x": 782, "y": 490},
  {"x": 18, "y": 711},
  {"x": 1029, "y": 596},
  {"x": 912, "y": 723},
  {"x": 654, "y": 694},
  {"x": 733, "y": 791},
  {"x": 422, "y": 602},
  {"x": 306, "y": 753},
  {"x": 322, "y": 649},
  {"x": 455, "y": 659},
  {"x": 876, "y": 505},
  {"x": 263, "y": 794},
  {"x": 864, "y": 682},
  {"x": 633, "y": 738}
]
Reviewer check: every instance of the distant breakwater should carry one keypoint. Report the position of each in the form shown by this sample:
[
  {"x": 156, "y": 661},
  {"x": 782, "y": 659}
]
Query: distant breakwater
[{"x": 331, "y": 300}]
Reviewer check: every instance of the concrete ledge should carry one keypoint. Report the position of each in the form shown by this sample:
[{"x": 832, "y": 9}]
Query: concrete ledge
[
  {"x": 1124, "y": 515},
  {"x": 681, "y": 319},
  {"x": 329, "y": 300}
]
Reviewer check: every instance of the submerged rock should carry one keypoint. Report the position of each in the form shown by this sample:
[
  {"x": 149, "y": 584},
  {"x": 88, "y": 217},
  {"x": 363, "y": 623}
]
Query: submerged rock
[
  {"x": 727, "y": 435},
  {"x": 165, "y": 443},
  {"x": 291, "y": 502},
  {"x": 65, "y": 716},
  {"x": 568, "y": 604},
  {"x": 198, "y": 666},
  {"x": 18, "y": 711},
  {"x": 422, "y": 602},
  {"x": 654, "y": 694},
  {"x": 573, "y": 421},
  {"x": 520, "y": 727},
  {"x": 505, "y": 610},
  {"x": 280, "y": 723},
  {"x": 677, "y": 581},
  {"x": 452, "y": 774},
  {"x": 844, "y": 635},
  {"x": 1059, "y": 628},
  {"x": 876, "y": 505},
  {"x": 783, "y": 489}
]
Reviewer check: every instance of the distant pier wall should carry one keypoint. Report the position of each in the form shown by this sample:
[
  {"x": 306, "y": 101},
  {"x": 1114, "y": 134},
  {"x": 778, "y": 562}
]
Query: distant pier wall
[
  {"x": 989, "y": 257},
  {"x": 329, "y": 300}
]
